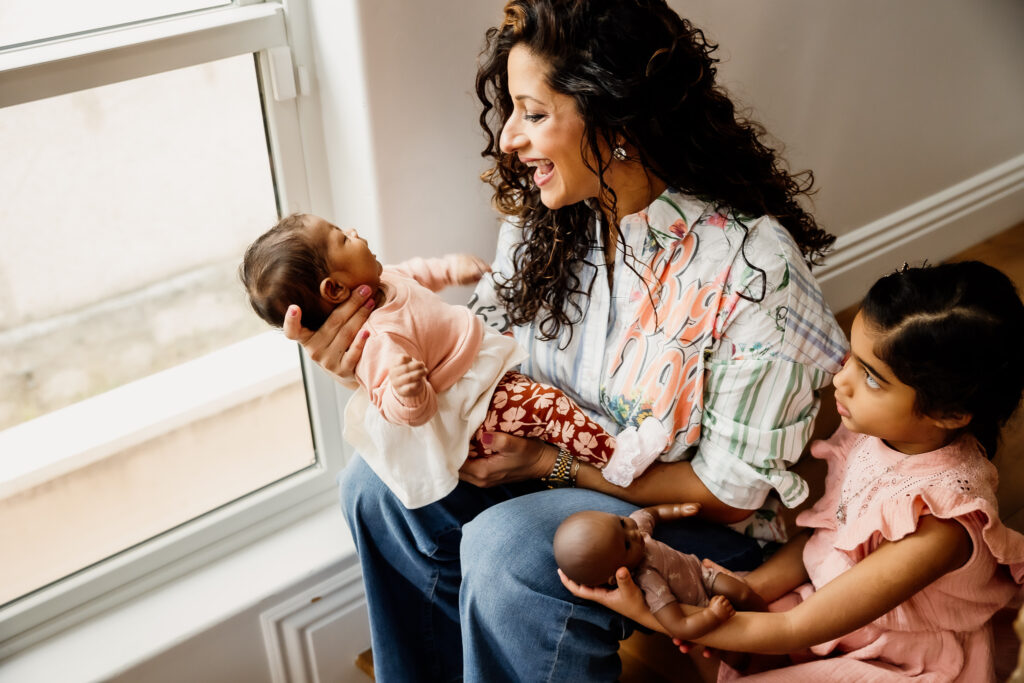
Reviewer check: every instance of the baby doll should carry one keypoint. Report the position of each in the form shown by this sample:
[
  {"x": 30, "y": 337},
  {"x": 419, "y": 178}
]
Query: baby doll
[
  {"x": 591, "y": 545},
  {"x": 432, "y": 377}
]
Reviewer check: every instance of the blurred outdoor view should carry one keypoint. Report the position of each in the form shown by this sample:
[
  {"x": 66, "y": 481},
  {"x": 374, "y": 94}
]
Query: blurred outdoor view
[{"x": 125, "y": 212}]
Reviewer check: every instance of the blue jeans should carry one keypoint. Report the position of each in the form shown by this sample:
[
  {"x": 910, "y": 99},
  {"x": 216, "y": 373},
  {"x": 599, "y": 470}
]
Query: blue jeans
[{"x": 466, "y": 588}]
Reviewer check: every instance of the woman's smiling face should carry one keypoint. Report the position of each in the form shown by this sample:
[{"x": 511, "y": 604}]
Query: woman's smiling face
[{"x": 546, "y": 131}]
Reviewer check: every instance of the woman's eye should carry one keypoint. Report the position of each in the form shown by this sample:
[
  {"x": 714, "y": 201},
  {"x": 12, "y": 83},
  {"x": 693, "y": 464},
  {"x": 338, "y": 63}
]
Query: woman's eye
[
  {"x": 871, "y": 381},
  {"x": 533, "y": 118}
]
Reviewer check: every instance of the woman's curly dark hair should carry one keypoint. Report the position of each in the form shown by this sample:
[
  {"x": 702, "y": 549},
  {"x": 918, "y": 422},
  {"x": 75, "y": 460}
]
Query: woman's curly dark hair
[{"x": 640, "y": 73}]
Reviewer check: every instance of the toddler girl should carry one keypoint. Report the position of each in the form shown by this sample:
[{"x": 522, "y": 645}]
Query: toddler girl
[
  {"x": 432, "y": 378},
  {"x": 908, "y": 559}
]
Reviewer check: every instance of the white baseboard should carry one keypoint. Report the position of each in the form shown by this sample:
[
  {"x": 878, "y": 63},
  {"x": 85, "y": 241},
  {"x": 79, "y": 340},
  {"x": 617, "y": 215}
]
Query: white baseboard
[
  {"x": 934, "y": 228},
  {"x": 315, "y": 636}
]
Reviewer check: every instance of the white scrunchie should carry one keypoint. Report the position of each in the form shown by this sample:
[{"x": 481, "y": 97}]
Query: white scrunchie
[{"x": 635, "y": 449}]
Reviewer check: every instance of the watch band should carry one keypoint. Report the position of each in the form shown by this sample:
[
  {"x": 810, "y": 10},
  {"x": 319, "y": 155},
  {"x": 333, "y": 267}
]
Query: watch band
[{"x": 563, "y": 474}]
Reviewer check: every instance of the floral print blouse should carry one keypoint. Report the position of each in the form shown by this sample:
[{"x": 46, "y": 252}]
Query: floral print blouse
[{"x": 725, "y": 340}]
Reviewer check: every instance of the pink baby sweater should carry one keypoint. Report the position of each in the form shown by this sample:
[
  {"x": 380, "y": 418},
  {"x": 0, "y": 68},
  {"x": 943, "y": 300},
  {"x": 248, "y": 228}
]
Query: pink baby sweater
[{"x": 415, "y": 321}]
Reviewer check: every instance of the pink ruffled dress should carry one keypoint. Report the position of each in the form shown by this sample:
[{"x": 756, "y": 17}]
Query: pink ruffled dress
[{"x": 873, "y": 494}]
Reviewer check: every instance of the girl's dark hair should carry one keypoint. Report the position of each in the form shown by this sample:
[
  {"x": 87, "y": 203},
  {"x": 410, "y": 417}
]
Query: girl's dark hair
[
  {"x": 952, "y": 333},
  {"x": 639, "y": 73},
  {"x": 283, "y": 267}
]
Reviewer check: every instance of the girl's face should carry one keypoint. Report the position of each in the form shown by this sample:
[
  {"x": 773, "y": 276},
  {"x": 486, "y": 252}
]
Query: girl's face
[
  {"x": 546, "y": 131},
  {"x": 871, "y": 400}
]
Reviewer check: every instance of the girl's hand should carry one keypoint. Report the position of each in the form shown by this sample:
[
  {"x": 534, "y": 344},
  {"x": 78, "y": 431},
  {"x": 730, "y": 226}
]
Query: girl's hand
[
  {"x": 469, "y": 269},
  {"x": 514, "y": 459},
  {"x": 409, "y": 377},
  {"x": 627, "y": 599},
  {"x": 338, "y": 345}
]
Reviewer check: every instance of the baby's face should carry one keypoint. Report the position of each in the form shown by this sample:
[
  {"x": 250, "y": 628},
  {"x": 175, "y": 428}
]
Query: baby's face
[{"x": 349, "y": 258}]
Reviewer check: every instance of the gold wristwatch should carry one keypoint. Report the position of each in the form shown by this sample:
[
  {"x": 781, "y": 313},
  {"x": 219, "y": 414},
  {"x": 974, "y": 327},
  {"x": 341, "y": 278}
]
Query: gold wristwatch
[{"x": 563, "y": 474}]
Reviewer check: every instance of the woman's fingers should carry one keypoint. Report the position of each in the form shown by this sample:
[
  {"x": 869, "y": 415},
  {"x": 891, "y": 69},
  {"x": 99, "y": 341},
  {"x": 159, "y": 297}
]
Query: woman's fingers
[
  {"x": 337, "y": 345},
  {"x": 513, "y": 458}
]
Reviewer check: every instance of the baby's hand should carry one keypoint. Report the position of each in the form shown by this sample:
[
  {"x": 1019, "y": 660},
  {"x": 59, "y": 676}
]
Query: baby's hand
[
  {"x": 722, "y": 608},
  {"x": 469, "y": 269},
  {"x": 409, "y": 377}
]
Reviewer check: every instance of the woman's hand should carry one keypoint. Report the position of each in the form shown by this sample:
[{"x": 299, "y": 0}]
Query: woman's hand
[
  {"x": 338, "y": 345},
  {"x": 514, "y": 459},
  {"x": 626, "y": 598}
]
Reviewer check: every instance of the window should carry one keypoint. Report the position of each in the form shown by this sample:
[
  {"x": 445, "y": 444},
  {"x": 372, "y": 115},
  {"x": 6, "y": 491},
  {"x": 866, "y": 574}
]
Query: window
[{"x": 146, "y": 413}]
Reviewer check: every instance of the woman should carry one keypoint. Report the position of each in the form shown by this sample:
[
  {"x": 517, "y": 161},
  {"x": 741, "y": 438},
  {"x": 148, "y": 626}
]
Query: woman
[{"x": 653, "y": 265}]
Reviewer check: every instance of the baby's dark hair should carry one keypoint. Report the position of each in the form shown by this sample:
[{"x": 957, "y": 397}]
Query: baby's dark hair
[
  {"x": 284, "y": 267},
  {"x": 952, "y": 333}
]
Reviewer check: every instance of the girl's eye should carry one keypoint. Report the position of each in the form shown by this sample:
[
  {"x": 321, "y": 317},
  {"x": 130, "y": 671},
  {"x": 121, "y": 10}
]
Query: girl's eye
[
  {"x": 871, "y": 381},
  {"x": 533, "y": 118}
]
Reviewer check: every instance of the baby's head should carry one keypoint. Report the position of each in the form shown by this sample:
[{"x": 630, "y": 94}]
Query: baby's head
[
  {"x": 306, "y": 261},
  {"x": 951, "y": 334},
  {"x": 591, "y": 545}
]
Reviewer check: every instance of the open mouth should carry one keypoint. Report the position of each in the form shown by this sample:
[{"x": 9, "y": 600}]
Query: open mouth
[{"x": 544, "y": 170}]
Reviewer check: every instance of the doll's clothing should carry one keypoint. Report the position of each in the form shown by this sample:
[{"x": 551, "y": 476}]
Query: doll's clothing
[
  {"x": 667, "y": 575},
  {"x": 941, "y": 633}
]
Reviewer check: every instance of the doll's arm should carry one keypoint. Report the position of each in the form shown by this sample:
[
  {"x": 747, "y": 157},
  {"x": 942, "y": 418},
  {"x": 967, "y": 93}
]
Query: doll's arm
[{"x": 678, "y": 623}]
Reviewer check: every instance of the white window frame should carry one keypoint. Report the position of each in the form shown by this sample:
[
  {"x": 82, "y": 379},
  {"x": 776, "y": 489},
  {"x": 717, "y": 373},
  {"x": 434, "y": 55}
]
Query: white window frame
[{"x": 55, "y": 67}]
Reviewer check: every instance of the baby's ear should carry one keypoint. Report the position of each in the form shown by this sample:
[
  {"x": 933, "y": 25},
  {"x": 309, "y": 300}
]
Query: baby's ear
[{"x": 334, "y": 291}]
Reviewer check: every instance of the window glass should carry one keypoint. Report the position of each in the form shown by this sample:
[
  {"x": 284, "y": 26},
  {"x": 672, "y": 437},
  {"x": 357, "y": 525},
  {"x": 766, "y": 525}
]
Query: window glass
[
  {"x": 24, "y": 21},
  {"x": 137, "y": 388}
]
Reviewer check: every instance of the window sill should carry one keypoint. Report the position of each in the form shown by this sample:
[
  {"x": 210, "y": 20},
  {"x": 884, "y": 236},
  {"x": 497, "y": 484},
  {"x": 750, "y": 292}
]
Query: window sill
[
  {"x": 74, "y": 437},
  {"x": 302, "y": 554}
]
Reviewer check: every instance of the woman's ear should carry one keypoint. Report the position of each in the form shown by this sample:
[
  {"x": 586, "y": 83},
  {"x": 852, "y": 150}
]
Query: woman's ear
[{"x": 334, "y": 291}]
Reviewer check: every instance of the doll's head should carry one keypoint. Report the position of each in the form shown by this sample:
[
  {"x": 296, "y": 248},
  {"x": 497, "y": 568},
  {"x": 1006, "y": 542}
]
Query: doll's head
[
  {"x": 306, "y": 261},
  {"x": 591, "y": 545},
  {"x": 935, "y": 352}
]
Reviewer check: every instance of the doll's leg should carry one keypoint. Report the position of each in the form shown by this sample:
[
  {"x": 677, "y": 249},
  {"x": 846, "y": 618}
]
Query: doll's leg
[{"x": 523, "y": 407}]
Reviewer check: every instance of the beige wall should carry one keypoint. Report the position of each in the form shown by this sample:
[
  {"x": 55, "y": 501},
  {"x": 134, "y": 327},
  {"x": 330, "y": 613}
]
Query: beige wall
[{"x": 888, "y": 102}]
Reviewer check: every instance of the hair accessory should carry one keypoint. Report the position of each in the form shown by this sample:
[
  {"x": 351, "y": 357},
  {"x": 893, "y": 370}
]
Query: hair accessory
[
  {"x": 620, "y": 153},
  {"x": 905, "y": 268}
]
